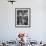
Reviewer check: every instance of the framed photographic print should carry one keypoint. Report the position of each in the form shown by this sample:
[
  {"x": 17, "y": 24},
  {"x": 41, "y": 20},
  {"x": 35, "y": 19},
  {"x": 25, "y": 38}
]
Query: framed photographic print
[{"x": 22, "y": 17}]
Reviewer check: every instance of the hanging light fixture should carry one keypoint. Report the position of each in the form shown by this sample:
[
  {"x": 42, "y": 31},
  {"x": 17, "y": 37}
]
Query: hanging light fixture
[{"x": 12, "y": 1}]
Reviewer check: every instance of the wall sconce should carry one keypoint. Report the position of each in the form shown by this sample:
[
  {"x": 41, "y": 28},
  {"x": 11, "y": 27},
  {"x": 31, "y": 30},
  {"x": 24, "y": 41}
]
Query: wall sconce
[{"x": 12, "y": 1}]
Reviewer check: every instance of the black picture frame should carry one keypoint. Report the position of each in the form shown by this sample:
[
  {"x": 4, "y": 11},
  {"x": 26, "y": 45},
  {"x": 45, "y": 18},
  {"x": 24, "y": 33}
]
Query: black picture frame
[{"x": 22, "y": 17}]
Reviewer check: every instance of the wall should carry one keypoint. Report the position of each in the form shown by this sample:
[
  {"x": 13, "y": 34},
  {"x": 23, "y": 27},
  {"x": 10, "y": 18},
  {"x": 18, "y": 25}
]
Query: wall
[{"x": 8, "y": 31}]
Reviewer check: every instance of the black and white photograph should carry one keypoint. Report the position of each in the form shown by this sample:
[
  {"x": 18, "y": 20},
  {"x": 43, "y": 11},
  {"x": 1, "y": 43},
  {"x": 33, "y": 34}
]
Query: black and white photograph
[{"x": 22, "y": 17}]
